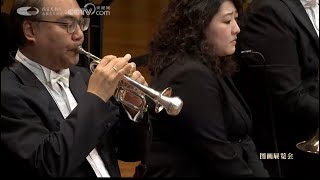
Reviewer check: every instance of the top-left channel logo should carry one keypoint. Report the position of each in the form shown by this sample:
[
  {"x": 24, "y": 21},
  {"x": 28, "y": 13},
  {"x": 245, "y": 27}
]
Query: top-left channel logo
[{"x": 28, "y": 11}]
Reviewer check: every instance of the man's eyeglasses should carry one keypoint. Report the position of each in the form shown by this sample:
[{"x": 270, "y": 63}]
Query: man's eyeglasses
[{"x": 71, "y": 27}]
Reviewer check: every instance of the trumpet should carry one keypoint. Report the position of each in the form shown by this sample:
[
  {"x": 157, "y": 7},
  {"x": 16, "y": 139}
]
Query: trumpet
[{"x": 172, "y": 105}]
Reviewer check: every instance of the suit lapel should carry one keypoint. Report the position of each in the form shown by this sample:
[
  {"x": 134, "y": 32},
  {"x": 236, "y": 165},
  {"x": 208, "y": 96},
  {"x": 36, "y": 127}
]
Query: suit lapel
[
  {"x": 238, "y": 102},
  {"x": 77, "y": 85},
  {"x": 25, "y": 75},
  {"x": 32, "y": 85},
  {"x": 302, "y": 17}
]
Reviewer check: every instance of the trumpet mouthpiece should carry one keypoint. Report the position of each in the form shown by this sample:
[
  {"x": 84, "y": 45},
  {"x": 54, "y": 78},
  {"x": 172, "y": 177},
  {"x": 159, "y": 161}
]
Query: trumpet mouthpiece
[{"x": 81, "y": 50}]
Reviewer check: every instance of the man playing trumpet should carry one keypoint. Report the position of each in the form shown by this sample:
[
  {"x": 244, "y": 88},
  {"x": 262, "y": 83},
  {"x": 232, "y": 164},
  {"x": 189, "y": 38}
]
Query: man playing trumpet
[{"x": 57, "y": 119}]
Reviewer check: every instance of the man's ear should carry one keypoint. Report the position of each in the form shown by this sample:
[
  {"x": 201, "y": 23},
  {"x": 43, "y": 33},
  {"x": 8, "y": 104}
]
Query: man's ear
[{"x": 28, "y": 30}]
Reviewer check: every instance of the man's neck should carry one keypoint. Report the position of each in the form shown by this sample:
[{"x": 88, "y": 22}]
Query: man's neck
[{"x": 34, "y": 56}]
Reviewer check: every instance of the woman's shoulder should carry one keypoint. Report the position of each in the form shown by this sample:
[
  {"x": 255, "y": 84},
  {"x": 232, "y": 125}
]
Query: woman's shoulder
[
  {"x": 189, "y": 64},
  {"x": 187, "y": 69}
]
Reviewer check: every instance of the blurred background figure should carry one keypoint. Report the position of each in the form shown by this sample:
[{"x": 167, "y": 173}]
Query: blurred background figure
[
  {"x": 6, "y": 37},
  {"x": 279, "y": 77}
]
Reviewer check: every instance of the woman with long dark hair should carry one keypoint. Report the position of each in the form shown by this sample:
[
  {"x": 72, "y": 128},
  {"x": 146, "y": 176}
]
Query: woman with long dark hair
[{"x": 191, "y": 53}]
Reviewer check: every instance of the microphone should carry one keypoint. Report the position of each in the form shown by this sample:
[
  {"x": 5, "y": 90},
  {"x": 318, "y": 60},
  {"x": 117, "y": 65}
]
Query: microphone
[
  {"x": 249, "y": 51},
  {"x": 246, "y": 51}
]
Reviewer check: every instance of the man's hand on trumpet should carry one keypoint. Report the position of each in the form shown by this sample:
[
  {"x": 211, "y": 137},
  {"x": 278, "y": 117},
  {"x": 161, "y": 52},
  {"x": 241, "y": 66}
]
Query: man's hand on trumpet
[{"x": 107, "y": 74}]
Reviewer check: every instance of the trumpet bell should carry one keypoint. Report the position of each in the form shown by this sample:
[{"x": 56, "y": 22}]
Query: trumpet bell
[
  {"x": 173, "y": 108},
  {"x": 310, "y": 146},
  {"x": 166, "y": 92}
]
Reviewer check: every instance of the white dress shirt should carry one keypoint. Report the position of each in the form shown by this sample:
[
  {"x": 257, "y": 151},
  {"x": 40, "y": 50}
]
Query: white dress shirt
[
  {"x": 57, "y": 85},
  {"x": 312, "y": 9}
]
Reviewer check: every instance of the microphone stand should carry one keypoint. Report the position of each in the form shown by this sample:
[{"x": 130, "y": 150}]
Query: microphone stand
[{"x": 268, "y": 93}]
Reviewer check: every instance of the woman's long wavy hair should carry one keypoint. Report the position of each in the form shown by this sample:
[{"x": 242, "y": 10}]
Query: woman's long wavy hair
[{"x": 182, "y": 33}]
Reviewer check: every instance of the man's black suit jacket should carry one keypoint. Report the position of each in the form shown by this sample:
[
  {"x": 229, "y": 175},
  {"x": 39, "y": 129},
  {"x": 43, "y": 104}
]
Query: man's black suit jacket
[
  {"x": 37, "y": 141},
  {"x": 210, "y": 136},
  {"x": 281, "y": 31}
]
